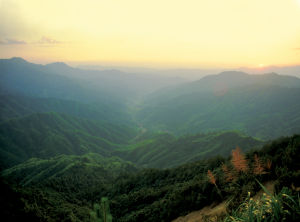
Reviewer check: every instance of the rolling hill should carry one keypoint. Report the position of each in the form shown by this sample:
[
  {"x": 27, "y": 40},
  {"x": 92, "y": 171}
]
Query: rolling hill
[
  {"x": 165, "y": 151},
  {"x": 16, "y": 105},
  {"x": 264, "y": 106},
  {"x": 70, "y": 138},
  {"x": 61, "y": 81},
  {"x": 45, "y": 135},
  {"x": 92, "y": 168}
]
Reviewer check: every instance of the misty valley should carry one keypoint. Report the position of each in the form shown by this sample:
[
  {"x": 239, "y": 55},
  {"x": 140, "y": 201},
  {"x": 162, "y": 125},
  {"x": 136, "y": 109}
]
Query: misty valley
[{"x": 108, "y": 145}]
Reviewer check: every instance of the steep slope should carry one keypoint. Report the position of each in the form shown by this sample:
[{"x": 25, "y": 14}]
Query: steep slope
[
  {"x": 163, "y": 195},
  {"x": 150, "y": 194},
  {"x": 164, "y": 150},
  {"x": 45, "y": 135},
  {"x": 267, "y": 107}
]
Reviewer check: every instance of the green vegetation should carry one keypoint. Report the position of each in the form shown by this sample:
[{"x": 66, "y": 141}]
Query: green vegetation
[
  {"x": 279, "y": 207},
  {"x": 265, "y": 109},
  {"x": 101, "y": 212},
  {"x": 79, "y": 145},
  {"x": 159, "y": 195},
  {"x": 16, "y": 106},
  {"x": 45, "y": 135},
  {"x": 163, "y": 195},
  {"x": 93, "y": 166},
  {"x": 164, "y": 150}
]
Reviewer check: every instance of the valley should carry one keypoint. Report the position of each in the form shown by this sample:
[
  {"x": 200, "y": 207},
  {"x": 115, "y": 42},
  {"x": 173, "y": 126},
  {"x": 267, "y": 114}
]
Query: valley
[{"x": 78, "y": 144}]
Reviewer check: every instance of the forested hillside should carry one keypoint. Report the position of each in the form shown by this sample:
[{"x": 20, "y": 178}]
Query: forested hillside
[
  {"x": 264, "y": 106},
  {"x": 82, "y": 145},
  {"x": 164, "y": 150},
  {"x": 91, "y": 169},
  {"x": 16, "y": 105},
  {"x": 45, "y": 135},
  {"x": 155, "y": 195}
]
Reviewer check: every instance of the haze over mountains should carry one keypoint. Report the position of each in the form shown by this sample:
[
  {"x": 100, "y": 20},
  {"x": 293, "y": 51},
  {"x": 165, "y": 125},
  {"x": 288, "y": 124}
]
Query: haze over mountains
[
  {"x": 104, "y": 126},
  {"x": 229, "y": 100},
  {"x": 89, "y": 84},
  {"x": 283, "y": 70},
  {"x": 264, "y": 106},
  {"x": 196, "y": 73}
]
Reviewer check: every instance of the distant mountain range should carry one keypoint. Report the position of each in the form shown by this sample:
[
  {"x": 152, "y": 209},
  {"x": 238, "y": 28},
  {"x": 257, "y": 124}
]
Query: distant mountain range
[
  {"x": 78, "y": 111},
  {"x": 197, "y": 73},
  {"x": 74, "y": 140},
  {"x": 62, "y": 81},
  {"x": 284, "y": 70},
  {"x": 265, "y": 106}
]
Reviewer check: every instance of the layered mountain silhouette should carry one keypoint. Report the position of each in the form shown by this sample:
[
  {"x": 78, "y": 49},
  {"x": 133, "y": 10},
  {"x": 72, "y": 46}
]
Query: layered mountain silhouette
[{"x": 265, "y": 106}]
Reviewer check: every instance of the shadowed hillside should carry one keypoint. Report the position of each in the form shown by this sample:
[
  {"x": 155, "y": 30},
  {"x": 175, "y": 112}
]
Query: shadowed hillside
[
  {"x": 264, "y": 106},
  {"x": 45, "y": 135}
]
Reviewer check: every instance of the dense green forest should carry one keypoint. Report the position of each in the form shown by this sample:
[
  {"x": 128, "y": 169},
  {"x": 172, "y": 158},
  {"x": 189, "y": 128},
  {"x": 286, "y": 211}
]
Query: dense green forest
[
  {"x": 57, "y": 134},
  {"x": 82, "y": 145},
  {"x": 149, "y": 194},
  {"x": 164, "y": 150},
  {"x": 46, "y": 135}
]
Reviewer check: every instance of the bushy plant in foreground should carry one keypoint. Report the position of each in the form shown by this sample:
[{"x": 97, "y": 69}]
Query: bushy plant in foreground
[{"x": 280, "y": 207}]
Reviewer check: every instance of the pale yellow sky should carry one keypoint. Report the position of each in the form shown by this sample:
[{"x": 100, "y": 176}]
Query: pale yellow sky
[{"x": 163, "y": 33}]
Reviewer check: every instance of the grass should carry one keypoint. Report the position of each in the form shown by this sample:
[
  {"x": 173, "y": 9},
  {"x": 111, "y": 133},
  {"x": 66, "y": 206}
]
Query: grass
[{"x": 269, "y": 208}]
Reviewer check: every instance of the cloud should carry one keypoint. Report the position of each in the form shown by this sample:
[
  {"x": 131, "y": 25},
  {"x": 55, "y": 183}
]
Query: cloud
[
  {"x": 48, "y": 41},
  {"x": 45, "y": 41},
  {"x": 9, "y": 41}
]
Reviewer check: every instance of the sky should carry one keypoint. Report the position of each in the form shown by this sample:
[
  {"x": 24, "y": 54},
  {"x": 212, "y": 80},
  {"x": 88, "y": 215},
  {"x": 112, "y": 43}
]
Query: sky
[{"x": 153, "y": 33}]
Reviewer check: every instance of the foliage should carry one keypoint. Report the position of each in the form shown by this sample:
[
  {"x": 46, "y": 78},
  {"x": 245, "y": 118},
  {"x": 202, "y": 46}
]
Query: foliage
[
  {"x": 238, "y": 160},
  {"x": 46, "y": 135},
  {"x": 101, "y": 213},
  {"x": 64, "y": 145},
  {"x": 279, "y": 207},
  {"x": 84, "y": 171},
  {"x": 164, "y": 150},
  {"x": 152, "y": 194}
]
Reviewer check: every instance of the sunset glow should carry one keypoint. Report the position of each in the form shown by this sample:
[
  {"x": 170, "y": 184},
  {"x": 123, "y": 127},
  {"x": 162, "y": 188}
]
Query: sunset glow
[{"x": 190, "y": 33}]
